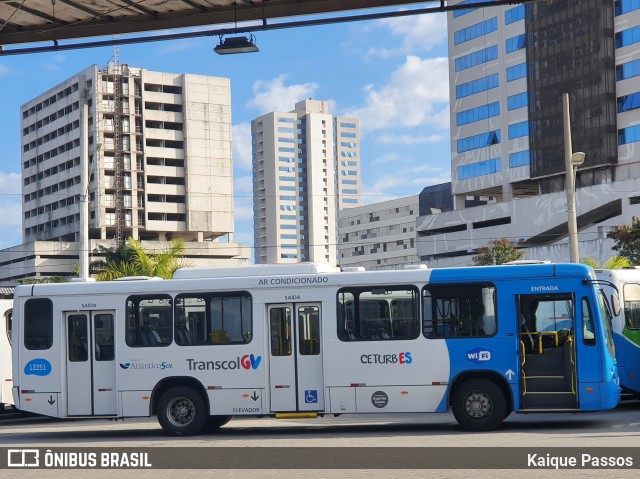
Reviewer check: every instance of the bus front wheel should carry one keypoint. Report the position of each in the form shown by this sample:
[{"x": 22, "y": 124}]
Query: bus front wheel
[
  {"x": 479, "y": 405},
  {"x": 182, "y": 411}
]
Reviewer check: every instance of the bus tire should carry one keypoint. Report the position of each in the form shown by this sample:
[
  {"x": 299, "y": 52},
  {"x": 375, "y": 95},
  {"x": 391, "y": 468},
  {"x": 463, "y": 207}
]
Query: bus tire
[
  {"x": 479, "y": 405},
  {"x": 216, "y": 422},
  {"x": 182, "y": 411}
]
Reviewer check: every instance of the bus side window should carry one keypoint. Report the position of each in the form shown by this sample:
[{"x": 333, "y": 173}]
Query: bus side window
[
  {"x": 38, "y": 324},
  {"x": 346, "y": 316},
  {"x": 309, "y": 330},
  {"x": 213, "y": 318},
  {"x": 378, "y": 313},
  {"x": 632, "y": 305},
  {"x": 149, "y": 321},
  {"x": 280, "y": 327},
  {"x": 77, "y": 331},
  {"x": 459, "y": 310},
  {"x": 104, "y": 349}
]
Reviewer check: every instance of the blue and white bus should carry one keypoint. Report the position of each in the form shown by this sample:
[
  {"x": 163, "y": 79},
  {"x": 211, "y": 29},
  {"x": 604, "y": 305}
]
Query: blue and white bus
[
  {"x": 307, "y": 340},
  {"x": 625, "y": 283}
]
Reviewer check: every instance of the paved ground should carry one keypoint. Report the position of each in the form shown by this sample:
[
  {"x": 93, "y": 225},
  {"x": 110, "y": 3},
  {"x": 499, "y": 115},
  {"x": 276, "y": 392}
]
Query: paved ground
[{"x": 619, "y": 428}]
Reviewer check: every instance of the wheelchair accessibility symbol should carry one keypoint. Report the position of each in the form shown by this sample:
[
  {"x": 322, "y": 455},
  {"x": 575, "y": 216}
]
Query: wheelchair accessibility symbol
[{"x": 311, "y": 396}]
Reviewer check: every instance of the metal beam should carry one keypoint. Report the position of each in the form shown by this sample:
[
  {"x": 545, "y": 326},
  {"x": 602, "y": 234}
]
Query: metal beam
[
  {"x": 141, "y": 8},
  {"x": 249, "y": 29},
  {"x": 270, "y": 11},
  {"x": 202, "y": 8},
  {"x": 82, "y": 8},
  {"x": 36, "y": 13},
  {"x": 4, "y": 23}
]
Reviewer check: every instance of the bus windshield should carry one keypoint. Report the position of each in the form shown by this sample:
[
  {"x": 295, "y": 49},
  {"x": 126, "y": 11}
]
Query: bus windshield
[
  {"x": 607, "y": 318},
  {"x": 8, "y": 315}
]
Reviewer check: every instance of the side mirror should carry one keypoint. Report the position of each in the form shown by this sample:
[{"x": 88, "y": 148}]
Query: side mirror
[{"x": 615, "y": 304}]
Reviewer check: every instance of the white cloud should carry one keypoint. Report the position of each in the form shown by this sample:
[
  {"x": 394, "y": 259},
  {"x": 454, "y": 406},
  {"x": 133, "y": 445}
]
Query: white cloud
[
  {"x": 4, "y": 70},
  {"x": 11, "y": 207},
  {"x": 417, "y": 33},
  {"x": 11, "y": 212},
  {"x": 241, "y": 145},
  {"x": 10, "y": 184},
  {"x": 270, "y": 95},
  {"x": 242, "y": 197},
  {"x": 274, "y": 95},
  {"x": 242, "y": 185},
  {"x": 242, "y": 212},
  {"x": 417, "y": 94},
  {"x": 388, "y": 139},
  {"x": 387, "y": 157},
  {"x": 408, "y": 181},
  {"x": 56, "y": 64},
  {"x": 245, "y": 239},
  {"x": 178, "y": 46}
]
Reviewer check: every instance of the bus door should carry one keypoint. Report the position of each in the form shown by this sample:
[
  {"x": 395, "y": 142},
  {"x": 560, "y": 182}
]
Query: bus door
[
  {"x": 548, "y": 351},
  {"x": 91, "y": 373},
  {"x": 295, "y": 361}
]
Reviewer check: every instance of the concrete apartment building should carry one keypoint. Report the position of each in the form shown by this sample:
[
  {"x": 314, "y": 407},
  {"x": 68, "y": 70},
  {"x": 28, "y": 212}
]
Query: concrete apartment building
[
  {"x": 509, "y": 67},
  {"x": 159, "y": 168},
  {"x": 306, "y": 167},
  {"x": 380, "y": 235}
]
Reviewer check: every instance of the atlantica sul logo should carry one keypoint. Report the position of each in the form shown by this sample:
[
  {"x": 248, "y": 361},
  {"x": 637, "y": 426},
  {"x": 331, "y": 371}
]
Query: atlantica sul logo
[{"x": 146, "y": 365}]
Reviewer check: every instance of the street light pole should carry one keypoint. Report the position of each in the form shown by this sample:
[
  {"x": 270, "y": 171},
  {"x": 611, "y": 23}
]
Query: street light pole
[{"x": 572, "y": 161}]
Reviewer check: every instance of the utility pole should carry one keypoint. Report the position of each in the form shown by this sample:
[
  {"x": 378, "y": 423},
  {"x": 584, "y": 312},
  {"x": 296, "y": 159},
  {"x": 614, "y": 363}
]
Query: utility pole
[{"x": 572, "y": 161}]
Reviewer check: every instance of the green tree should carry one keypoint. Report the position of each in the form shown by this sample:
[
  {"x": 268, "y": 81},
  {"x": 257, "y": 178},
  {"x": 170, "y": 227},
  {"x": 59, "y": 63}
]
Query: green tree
[
  {"x": 499, "y": 251},
  {"x": 627, "y": 240},
  {"x": 133, "y": 259},
  {"x": 615, "y": 262}
]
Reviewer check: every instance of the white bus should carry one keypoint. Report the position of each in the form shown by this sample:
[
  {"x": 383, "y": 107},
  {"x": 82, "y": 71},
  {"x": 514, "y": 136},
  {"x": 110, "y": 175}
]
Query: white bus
[
  {"x": 6, "y": 397},
  {"x": 625, "y": 283},
  {"x": 306, "y": 340}
]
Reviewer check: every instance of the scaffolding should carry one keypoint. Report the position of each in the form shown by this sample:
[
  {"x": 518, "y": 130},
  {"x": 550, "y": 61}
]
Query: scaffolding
[{"x": 117, "y": 145}]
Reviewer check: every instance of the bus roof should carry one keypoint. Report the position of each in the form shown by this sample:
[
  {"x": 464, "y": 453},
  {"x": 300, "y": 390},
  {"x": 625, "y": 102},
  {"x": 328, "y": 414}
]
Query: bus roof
[
  {"x": 255, "y": 270},
  {"x": 514, "y": 271},
  {"x": 256, "y": 274},
  {"x": 625, "y": 274}
]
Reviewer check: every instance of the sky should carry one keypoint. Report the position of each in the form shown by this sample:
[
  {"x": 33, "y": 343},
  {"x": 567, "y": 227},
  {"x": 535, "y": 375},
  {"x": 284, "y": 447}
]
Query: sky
[{"x": 392, "y": 74}]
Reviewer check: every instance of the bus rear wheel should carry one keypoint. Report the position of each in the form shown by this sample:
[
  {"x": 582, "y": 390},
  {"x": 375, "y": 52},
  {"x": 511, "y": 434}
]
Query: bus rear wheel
[
  {"x": 182, "y": 411},
  {"x": 479, "y": 405},
  {"x": 216, "y": 422}
]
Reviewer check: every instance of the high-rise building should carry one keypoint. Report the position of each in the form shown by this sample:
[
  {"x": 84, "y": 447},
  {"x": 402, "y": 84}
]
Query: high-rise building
[
  {"x": 306, "y": 167},
  {"x": 158, "y": 167},
  {"x": 509, "y": 69},
  {"x": 510, "y": 66},
  {"x": 159, "y": 161}
]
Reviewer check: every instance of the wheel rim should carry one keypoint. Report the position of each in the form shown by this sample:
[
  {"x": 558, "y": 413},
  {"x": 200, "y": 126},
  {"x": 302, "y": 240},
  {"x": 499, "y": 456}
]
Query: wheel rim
[
  {"x": 180, "y": 411},
  {"x": 478, "y": 405}
]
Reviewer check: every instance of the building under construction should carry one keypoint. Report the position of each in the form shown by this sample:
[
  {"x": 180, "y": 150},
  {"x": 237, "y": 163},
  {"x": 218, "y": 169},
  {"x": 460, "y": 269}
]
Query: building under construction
[{"x": 158, "y": 161}]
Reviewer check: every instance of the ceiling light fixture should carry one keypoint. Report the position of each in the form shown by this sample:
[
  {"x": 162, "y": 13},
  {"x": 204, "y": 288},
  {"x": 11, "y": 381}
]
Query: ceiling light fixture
[{"x": 236, "y": 45}]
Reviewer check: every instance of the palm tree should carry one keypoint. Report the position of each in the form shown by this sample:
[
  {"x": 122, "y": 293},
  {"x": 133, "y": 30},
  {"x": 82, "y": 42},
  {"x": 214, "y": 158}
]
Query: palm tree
[
  {"x": 133, "y": 260},
  {"x": 615, "y": 262}
]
